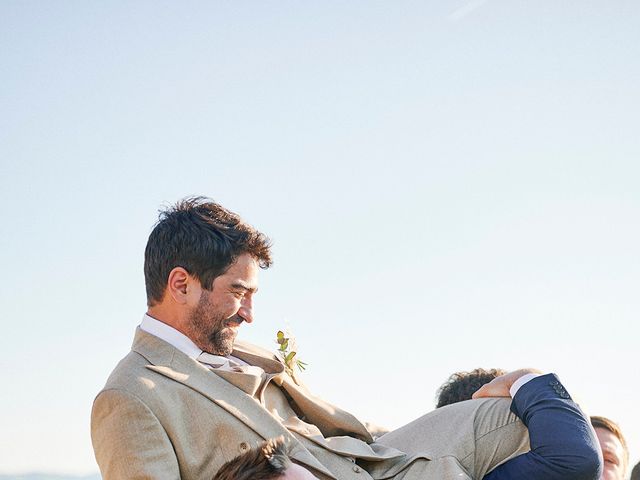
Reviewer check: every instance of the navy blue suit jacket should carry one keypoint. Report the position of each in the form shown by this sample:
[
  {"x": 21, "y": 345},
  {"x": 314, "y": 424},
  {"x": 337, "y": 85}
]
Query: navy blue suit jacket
[{"x": 563, "y": 446}]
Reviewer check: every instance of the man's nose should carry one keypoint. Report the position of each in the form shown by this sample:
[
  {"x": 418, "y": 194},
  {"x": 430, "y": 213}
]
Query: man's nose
[{"x": 246, "y": 309}]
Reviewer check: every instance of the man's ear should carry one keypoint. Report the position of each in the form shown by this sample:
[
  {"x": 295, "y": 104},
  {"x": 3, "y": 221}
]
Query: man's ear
[{"x": 177, "y": 284}]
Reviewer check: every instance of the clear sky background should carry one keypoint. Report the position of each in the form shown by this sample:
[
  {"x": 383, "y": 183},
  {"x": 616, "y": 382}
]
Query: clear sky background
[{"x": 448, "y": 185}]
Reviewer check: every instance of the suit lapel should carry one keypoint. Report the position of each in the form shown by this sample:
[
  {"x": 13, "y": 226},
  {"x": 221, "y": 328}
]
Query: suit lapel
[
  {"x": 171, "y": 363},
  {"x": 331, "y": 420}
]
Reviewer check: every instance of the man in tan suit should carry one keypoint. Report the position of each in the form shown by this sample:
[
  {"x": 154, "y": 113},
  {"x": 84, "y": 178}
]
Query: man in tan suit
[{"x": 189, "y": 398}]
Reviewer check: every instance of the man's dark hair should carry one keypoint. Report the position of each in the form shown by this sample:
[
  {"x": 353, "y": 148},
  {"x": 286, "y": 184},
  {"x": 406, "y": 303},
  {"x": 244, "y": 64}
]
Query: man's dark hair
[
  {"x": 266, "y": 462},
  {"x": 202, "y": 237},
  {"x": 613, "y": 427},
  {"x": 635, "y": 473},
  {"x": 461, "y": 385}
]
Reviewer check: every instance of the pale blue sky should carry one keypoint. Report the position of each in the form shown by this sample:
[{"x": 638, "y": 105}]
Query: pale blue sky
[{"x": 448, "y": 185}]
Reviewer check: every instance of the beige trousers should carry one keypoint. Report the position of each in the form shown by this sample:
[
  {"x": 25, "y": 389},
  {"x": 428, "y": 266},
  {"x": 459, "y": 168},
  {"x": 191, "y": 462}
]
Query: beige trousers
[{"x": 477, "y": 435}]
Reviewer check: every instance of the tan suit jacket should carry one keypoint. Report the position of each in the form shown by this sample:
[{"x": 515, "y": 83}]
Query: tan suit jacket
[{"x": 164, "y": 415}]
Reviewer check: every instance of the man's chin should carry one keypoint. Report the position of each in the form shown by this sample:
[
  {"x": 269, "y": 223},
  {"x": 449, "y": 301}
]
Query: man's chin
[
  {"x": 227, "y": 349},
  {"x": 222, "y": 346}
]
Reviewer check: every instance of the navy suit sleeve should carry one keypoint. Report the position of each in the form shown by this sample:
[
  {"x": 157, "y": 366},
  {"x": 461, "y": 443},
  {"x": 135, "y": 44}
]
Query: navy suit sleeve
[{"x": 563, "y": 445}]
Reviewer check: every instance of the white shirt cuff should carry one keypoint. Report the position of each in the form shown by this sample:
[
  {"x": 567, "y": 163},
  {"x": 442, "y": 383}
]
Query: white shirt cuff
[{"x": 521, "y": 381}]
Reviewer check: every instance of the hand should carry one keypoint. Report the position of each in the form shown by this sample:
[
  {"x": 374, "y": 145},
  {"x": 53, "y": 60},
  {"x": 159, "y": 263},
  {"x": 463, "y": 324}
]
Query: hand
[{"x": 499, "y": 386}]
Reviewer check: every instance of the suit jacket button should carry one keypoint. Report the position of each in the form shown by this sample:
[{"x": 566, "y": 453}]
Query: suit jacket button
[
  {"x": 356, "y": 469},
  {"x": 244, "y": 446}
]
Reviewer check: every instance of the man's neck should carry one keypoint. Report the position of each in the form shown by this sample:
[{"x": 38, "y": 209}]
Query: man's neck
[
  {"x": 167, "y": 316},
  {"x": 169, "y": 334}
]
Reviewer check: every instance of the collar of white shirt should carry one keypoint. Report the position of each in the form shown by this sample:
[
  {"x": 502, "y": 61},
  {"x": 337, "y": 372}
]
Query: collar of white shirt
[{"x": 175, "y": 338}]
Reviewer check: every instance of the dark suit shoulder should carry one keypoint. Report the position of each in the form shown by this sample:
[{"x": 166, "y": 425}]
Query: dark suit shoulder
[{"x": 563, "y": 445}]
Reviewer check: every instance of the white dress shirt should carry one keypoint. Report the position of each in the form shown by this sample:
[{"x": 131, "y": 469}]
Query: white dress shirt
[
  {"x": 521, "y": 381},
  {"x": 176, "y": 339}
]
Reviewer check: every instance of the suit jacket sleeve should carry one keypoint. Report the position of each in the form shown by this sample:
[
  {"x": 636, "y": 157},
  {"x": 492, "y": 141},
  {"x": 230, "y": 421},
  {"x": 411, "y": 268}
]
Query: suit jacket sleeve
[
  {"x": 121, "y": 424},
  {"x": 563, "y": 444}
]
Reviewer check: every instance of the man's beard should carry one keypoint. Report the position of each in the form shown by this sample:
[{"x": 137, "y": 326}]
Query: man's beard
[{"x": 207, "y": 328}]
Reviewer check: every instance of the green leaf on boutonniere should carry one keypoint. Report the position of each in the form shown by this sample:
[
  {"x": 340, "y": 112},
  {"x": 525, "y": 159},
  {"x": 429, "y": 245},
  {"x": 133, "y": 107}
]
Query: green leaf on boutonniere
[{"x": 288, "y": 357}]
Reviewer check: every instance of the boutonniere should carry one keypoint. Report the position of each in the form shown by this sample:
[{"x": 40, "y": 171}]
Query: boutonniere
[{"x": 288, "y": 351}]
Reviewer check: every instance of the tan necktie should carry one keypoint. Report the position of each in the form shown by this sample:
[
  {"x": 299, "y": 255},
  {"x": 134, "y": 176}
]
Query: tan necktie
[
  {"x": 218, "y": 362},
  {"x": 226, "y": 364}
]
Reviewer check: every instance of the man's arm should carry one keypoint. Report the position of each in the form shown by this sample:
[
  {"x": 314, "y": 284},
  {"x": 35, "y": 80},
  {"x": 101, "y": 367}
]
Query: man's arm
[
  {"x": 563, "y": 446},
  {"x": 128, "y": 439}
]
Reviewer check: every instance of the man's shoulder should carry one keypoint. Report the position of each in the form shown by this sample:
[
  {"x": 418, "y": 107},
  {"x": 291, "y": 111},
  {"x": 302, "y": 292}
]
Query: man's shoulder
[
  {"x": 132, "y": 374},
  {"x": 129, "y": 374}
]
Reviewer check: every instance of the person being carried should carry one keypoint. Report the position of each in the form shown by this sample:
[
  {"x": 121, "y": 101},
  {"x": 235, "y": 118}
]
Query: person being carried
[{"x": 189, "y": 397}]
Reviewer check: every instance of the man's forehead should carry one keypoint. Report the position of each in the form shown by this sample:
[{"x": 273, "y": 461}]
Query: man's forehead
[
  {"x": 244, "y": 263},
  {"x": 243, "y": 273},
  {"x": 609, "y": 440}
]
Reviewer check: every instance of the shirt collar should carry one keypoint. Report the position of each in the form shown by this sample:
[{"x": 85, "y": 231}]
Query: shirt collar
[{"x": 170, "y": 335}]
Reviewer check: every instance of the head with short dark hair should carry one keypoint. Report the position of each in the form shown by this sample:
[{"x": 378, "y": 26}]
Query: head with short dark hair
[
  {"x": 202, "y": 237},
  {"x": 462, "y": 385},
  {"x": 266, "y": 462},
  {"x": 635, "y": 473},
  {"x": 614, "y": 447}
]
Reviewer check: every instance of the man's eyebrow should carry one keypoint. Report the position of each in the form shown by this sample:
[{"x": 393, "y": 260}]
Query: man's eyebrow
[{"x": 243, "y": 286}]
